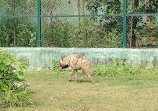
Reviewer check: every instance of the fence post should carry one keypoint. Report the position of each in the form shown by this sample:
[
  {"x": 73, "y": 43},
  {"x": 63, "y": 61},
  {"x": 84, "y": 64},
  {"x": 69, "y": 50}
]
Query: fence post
[
  {"x": 38, "y": 23},
  {"x": 124, "y": 22}
]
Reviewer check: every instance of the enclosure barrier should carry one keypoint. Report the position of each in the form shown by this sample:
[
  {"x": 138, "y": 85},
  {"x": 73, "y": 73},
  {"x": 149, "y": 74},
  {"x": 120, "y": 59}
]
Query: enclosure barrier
[
  {"x": 41, "y": 58},
  {"x": 79, "y": 23}
]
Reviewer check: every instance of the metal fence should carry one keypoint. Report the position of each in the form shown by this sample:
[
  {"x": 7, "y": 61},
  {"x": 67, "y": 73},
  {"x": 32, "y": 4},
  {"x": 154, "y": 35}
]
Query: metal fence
[{"x": 79, "y": 23}]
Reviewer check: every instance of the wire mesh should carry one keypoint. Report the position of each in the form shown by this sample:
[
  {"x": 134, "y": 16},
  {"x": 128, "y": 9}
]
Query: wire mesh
[
  {"x": 142, "y": 28},
  {"x": 18, "y": 23},
  {"x": 79, "y": 23},
  {"x": 17, "y": 32},
  {"x": 81, "y": 32}
]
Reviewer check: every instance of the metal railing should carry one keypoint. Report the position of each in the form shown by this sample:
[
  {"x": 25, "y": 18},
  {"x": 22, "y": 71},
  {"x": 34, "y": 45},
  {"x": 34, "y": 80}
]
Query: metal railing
[{"x": 86, "y": 28}]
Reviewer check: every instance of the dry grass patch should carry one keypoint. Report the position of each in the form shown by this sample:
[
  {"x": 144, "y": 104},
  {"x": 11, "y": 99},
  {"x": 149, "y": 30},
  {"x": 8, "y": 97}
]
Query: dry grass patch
[{"x": 118, "y": 93}]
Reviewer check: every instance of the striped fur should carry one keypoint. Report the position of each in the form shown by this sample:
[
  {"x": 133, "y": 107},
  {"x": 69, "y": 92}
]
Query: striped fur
[{"x": 77, "y": 62}]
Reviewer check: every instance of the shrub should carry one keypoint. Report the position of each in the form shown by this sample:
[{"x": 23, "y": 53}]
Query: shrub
[
  {"x": 56, "y": 68},
  {"x": 12, "y": 73},
  {"x": 115, "y": 68},
  {"x": 25, "y": 32},
  {"x": 57, "y": 34},
  {"x": 85, "y": 33}
]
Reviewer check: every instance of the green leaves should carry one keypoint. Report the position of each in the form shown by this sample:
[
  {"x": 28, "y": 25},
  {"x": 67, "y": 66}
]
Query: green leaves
[
  {"x": 4, "y": 63},
  {"x": 4, "y": 87},
  {"x": 12, "y": 67},
  {"x": 7, "y": 61},
  {"x": 0, "y": 73},
  {"x": 21, "y": 76},
  {"x": 2, "y": 66},
  {"x": 11, "y": 77},
  {"x": 25, "y": 32},
  {"x": 116, "y": 68},
  {"x": 18, "y": 68}
]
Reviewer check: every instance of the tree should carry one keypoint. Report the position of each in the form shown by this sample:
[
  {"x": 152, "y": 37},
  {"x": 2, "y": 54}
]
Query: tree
[
  {"x": 115, "y": 7},
  {"x": 49, "y": 7},
  {"x": 137, "y": 23},
  {"x": 13, "y": 9},
  {"x": 149, "y": 20},
  {"x": 134, "y": 21},
  {"x": 25, "y": 33}
]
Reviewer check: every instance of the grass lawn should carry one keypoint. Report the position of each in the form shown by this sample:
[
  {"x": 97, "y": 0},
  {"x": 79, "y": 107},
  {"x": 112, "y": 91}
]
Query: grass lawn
[{"x": 117, "y": 93}]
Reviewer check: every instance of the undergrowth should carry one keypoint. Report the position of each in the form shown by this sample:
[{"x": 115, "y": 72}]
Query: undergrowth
[
  {"x": 115, "y": 68},
  {"x": 13, "y": 87}
]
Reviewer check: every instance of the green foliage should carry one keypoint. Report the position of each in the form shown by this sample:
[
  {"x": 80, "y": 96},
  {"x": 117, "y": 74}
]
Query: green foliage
[
  {"x": 84, "y": 33},
  {"x": 49, "y": 6},
  {"x": 116, "y": 68},
  {"x": 135, "y": 26},
  {"x": 25, "y": 33},
  {"x": 106, "y": 6},
  {"x": 16, "y": 98},
  {"x": 95, "y": 31},
  {"x": 90, "y": 34},
  {"x": 16, "y": 31},
  {"x": 56, "y": 68},
  {"x": 13, "y": 7},
  {"x": 57, "y": 34},
  {"x": 11, "y": 72},
  {"x": 87, "y": 33}
]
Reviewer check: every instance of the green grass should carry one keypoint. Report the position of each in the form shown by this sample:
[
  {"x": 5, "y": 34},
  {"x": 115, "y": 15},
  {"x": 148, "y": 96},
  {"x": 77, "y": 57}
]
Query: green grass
[{"x": 53, "y": 92}]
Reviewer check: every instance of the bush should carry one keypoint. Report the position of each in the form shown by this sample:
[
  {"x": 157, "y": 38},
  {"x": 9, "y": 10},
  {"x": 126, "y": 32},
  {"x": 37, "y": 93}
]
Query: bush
[
  {"x": 11, "y": 74},
  {"x": 90, "y": 34},
  {"x": 85, "y": 33},
  {"x": 116, "y": 68},
  {"x": 25, "y": 32},
  {"x": 57, "y": 34},
  {"x": 56, "y": 68}
]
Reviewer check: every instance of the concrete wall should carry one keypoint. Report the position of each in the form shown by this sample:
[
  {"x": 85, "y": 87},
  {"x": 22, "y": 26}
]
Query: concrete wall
[{"x": 43, "y": 57}]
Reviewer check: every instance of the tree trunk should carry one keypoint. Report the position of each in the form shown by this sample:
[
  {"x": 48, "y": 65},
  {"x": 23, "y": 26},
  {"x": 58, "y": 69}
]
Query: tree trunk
[
  {"x": 131, "y": 32},
  {"x": 83, "y": 6},
  {"x": 149, "y": 24},
  {"x": 133, "y": 37},
  {"x": 14, "y": 31},
  {"x": 134, "y": 24},
  {"x": 79, "y": 5},
  {"x": 86, "y": 36},
  {"x": 14, "y": 23}
]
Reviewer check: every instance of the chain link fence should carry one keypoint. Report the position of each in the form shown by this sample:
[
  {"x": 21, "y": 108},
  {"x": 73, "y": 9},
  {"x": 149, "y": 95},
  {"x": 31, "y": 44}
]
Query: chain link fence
[
  {"x": 79, "y": 23},
  {"x": 142, "y": 23},
  {"x": 18, "y": 23}
]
